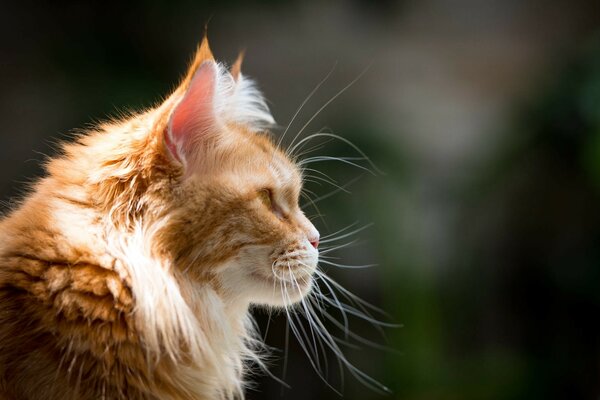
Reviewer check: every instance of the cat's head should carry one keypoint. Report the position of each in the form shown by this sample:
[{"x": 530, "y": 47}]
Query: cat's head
[{"x": 235, "y": 223}]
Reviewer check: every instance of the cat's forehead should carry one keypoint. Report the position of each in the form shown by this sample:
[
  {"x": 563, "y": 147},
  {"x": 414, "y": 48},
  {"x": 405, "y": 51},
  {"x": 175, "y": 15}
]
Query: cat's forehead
[{"x": 262, "y": 163}]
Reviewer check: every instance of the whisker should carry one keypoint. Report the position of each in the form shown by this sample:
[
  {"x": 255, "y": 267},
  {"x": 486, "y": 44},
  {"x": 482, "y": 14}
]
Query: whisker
[
  {"x": 357, "y": 337},
  {"x": 334, "y": 248},
  {"x": 310, "y": 95},
  {"x": 340, "y": 159},
  {"x": 318, "y": 172},
  {"x": 291, "y": 151},
  {"x": 318, "y": 178},
  {"x": 351, "y": 310},
  {"x": 314, "y": 205},
  {"x": 336, "y": 191},
  {"x": 358, "y": 374},
  {"x": 351, "y": 296},
  {"x": 303, "y": 346},
  {"x": 316, "y": 147},
  {"x": 314, "y": 348},
  {"x": 339, "y": 305},
  {"x": 348, "y": 266},
  {"x": 340, "y": 230},
  {"x": 329, "y": 238},
  {"x": 344, "y": 140}
]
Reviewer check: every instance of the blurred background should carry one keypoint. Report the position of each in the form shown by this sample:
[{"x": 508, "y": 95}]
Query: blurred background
[{"x": 483, "y": 116}]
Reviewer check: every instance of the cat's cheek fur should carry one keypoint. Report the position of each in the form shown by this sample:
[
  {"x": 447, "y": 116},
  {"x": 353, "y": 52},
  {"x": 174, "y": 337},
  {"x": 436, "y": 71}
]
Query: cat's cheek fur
[{"x": 265, "y": 276}]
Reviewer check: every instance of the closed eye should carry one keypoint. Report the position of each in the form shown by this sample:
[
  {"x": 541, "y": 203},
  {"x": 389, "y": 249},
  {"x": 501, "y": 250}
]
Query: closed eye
[{"x": 266, "y": 196}]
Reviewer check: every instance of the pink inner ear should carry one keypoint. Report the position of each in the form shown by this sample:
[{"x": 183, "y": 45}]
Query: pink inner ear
[{"x": 194, "y": 115}]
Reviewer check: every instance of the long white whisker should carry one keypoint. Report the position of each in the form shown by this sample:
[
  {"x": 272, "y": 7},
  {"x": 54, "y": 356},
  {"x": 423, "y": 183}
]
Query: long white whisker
[
  {"x": 291, "y": 151},
  {"x": 351, "y": 296},
  {"x": 339, "y": 231},
  {"x": 358, "y": 338},
  {"x": 328, "y": 158},
  {"x": 358, "y": 374},
  {"x": 327, "y": 250},
  {"x": 338, "y": 304},
  {"x": 310, "y": 95},
  {"x": 334, "y": 192},
  {"x": 314, "y": 348},
  {"x": 357, "y": 313},
  {"x": 302, "y": 344},
  {"x": 311, "y": 178},
  {"x": 323, "y": 174},
  {"x": 316, "y": 147},
  {"x": 348, "y": 266},
  {"x": 334, "y": 238}
]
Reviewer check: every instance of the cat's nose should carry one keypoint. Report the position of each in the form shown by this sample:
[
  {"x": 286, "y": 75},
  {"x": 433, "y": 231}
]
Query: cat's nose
[
  {"x": 314, "y": 240},
  {"x": 312, "y": 234}
]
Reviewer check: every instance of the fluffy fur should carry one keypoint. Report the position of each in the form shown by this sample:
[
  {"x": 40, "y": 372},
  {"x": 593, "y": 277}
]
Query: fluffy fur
[{"x": 128, "y": 271}]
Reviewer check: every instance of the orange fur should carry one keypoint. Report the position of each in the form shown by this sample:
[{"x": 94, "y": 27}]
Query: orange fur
[{"x": 126, "y": 274}]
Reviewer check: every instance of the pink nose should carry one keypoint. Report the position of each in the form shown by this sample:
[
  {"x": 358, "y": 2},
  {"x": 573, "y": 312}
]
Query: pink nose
[{"x": 314, "y": 242}]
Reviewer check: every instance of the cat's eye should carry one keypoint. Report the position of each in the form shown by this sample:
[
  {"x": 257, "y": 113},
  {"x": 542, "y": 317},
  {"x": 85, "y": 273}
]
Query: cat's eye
[{"x": 266, "y": 196}]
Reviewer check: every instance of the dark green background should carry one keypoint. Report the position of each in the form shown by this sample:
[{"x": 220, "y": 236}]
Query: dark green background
[{"x": 483, "y": 115}]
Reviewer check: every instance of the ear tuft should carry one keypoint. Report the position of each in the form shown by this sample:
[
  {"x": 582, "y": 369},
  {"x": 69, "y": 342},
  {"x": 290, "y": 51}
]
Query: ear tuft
[
  {"x": 236, "y": 68},
  {"x": 209, "y": 98},
  {"x": 203, "y": 54}
]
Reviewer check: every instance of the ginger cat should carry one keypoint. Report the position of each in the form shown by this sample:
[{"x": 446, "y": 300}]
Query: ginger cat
[{"x": 128, "y": 271}]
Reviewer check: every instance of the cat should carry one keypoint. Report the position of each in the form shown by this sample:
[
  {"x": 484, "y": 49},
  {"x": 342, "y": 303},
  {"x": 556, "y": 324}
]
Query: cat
[{"x": 129, "y": 270}]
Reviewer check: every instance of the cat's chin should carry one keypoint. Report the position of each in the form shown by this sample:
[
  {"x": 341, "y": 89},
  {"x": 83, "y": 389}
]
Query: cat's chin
[
  {"x": 259, "y": 282},
  {"x": 279, "y": 292}
]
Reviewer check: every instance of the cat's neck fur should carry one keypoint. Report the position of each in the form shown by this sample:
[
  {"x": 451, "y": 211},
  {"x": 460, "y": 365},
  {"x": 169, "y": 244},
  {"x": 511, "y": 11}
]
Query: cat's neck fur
[{"x": 91, "y": 216}]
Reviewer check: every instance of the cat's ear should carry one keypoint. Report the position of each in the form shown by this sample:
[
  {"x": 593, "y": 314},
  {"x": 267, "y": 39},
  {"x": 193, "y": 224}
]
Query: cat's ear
[
  {"x": 194, "y": 117},
  {"x": 209, "y": 98}
]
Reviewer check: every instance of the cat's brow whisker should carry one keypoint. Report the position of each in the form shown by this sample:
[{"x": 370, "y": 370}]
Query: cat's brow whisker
[
  {"x": 310, "y": 95},
  {"x": 340, "y": 159},
  {"x": 318, "y": 172},
  {"x": 291, "y": 151},
  {"x": 344, "y": 140},
  {"x": 305, "y": 192},
  {"x": 316, "y": 147},
  {"x": 318, "y": 178},
  {"x": 309, "y": 178},
  {"x": 314, "y": 205},
  {"x": 334, "y": 192}
]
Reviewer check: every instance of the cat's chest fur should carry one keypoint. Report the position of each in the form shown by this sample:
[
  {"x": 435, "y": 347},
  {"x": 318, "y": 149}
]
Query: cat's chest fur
[{"x": 68, "y": 321}]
